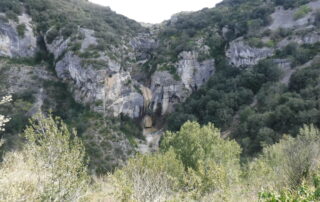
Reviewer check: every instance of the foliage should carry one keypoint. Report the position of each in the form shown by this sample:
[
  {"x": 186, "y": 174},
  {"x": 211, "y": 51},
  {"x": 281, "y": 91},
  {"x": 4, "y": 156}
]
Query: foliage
[
  {"x": 98, "y": 132},
  {"x": 10, "y": 5},
  {"x": 64, "y": 18},
  {"x": 187, "y": 30},
  {"x": 303, "y": 193},
  {"x": 149, "y": 178},
  {"x": 210, "y": 161},
  {"x": 196, "y": 164},
  {"x": 224, "y": 94},
  {"x": 290, "y": 162},
  {"x": 51, "y": 166},
  {"x": 301, "y": 12},
  {"x": 290, "y": 3},
  {"x": 192, "y": 162},
  {"x": 21, "y": 29},
  {"x": 252, "y": 105}
]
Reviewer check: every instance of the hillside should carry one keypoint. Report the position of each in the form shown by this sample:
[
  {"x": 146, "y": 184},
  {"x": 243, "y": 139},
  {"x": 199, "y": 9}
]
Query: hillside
[{"x": 250, "y": 67}]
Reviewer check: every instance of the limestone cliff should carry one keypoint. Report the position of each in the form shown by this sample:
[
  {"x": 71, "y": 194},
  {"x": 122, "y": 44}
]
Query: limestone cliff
[
  {"x": 113, "y": 66},
  {"x": 113, "y": 86},
  {"x": 301, "y": 31},
  {"x": 15, "y": 44}
]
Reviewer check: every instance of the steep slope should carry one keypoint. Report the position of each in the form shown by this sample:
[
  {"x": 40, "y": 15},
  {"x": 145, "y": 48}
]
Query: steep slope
[
  {"x": 100, "y": 56},
  {"x": 215, "y": 65},
  {"x": 250, "y": 96}
]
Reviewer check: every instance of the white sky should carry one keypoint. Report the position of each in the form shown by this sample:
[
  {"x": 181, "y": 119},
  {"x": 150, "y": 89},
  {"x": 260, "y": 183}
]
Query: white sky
[{"x": 154, "y": 11}]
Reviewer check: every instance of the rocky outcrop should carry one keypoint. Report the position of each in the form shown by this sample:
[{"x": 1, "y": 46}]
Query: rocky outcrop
[
  {"x": 168, "y": 90},
  {"x": 112, "y": 89},
  {"x": 58, "y": 47},
  {"x": 108, "y": 89},
  {"x": 89, "y": 39},
  {"x": 285, "y": 18},
  {"x": 241, "y": 54},
  {"x": 311, "y": 37},
  {"x": 21, "y": 81},
  {"x": 14, "y": 45},
  {"x": 193, "y": 73},
  {"x": 143, "y": 45}
]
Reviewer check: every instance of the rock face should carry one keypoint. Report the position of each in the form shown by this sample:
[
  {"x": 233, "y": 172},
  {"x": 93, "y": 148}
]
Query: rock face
[
  {"x": 110, "y": 86},
  {"x": 311, "y": 37},
  {"x": 241, "y": 54},
  {"x": 115, "y": 87},
  {"x": 14, "y": 45},
  {"x": 112, "y": 89},
  {"x": 168, "y": 90},
  {"x": 302, "y": 32},
  {"x": 285, "y": 18},
  {"x": 143, "y": 44},
  {"x": 115, "y": 90}
]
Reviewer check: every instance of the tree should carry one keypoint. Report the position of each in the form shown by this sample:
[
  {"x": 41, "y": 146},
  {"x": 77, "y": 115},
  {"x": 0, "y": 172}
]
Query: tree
[
  {"x": 287, "y": 164},
  {"x": 149, "y": 178},
  {"x": 211, "y": 162},
  {"x": 50, "y": 167}
]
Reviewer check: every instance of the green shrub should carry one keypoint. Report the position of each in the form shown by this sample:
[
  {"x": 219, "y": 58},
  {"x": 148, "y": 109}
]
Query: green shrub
[
  {"x": 52, "y": 34},
  {"x": 270, "y": 44},
  {"x": 211, "y": 162},
  {"x": 301, "y": 12},
  {"x": 288, "y": 163},
  {"x": 154, "y": 177},
  {"x": 10, "y": 5},
  {"x": 51, "y": 165},
  {"x": 12, "y": 16},
  {"x": 21, "y": 29},
  {"x": 255, "y": 42}
]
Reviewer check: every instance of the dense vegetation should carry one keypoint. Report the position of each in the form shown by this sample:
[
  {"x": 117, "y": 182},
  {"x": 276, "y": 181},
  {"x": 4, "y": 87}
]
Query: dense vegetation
[
  {"x": 268, "y": 146},
  {"x": 194, "y": 163},
  {"x": 256, "y": 102},
  {"x": 203, "y": 166},
  {"x": 95, "y": 130},
  {"x": 67, "y": 16},
  {"x": 183, "y": 33},
  {"x": 216, "y": 27}
]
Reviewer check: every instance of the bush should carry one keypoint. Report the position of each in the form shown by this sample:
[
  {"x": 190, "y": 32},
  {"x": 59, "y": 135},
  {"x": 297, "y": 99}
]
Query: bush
[
  {"x": 212, "y": 163},
  {"x": 10, "y": 5},
  {"x": 21, "y": 29},
  {"x": 12, "y": 16},
  {"x": 149, "y": 178},
  {"x": 304, "y": 193},
  {"x": 51, "y": 166},
  {"x": 255, "y": 42},
  {"x": 301, "y": 12},
  {"x": 52, "y": 34},
  {"x": 288, "y": 163}
]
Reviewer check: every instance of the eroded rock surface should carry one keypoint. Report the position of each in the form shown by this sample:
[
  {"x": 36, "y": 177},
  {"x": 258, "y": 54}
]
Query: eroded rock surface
[
  {"x": 241, "y": 54},
  {"x": 112, "y": 89},
  {"x": 285, "y": 18},
  {"x": 14, "y": 45}
]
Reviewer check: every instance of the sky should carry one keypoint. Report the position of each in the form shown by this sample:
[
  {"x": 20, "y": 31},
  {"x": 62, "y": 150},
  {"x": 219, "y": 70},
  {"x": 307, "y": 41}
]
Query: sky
[{"x": 154, "y": 11}]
